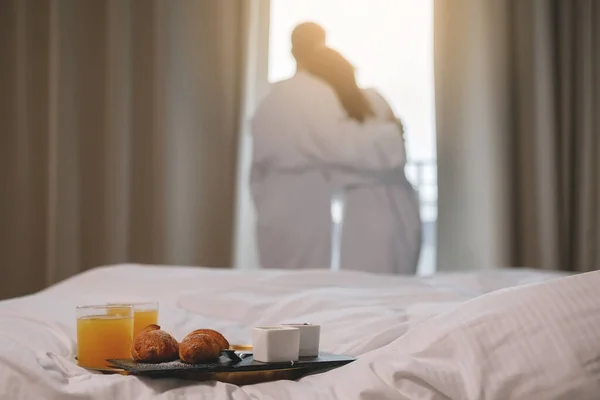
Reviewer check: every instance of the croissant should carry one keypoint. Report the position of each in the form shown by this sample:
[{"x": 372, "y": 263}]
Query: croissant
[
  {"x": 198, "y": 348},
  {"x": 217, "y": 336},
  {"x": 154, "y": 345}
]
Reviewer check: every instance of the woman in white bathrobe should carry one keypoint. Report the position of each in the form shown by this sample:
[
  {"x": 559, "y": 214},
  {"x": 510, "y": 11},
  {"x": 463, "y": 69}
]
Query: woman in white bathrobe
[
  {"x": 381, "y": 210},
  {"x": 311, "y": 142}
]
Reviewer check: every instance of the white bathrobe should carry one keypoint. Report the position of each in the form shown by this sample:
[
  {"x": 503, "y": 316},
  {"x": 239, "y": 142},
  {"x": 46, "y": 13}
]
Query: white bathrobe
[{"x": 304, "y": 150}]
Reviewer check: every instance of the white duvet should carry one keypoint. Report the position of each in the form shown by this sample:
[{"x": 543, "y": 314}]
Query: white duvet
[{"x": 453, "y": 336}]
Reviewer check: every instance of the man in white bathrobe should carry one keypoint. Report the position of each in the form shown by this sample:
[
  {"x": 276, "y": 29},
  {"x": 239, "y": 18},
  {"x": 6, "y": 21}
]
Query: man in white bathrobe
[{"x": 301, "y": 136}]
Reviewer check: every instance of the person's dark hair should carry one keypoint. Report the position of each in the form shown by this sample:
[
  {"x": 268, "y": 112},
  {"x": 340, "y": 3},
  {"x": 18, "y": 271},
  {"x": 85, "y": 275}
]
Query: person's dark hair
[
  {"x": 306, "y": 37},
  {"x": 330, "y": 66}
]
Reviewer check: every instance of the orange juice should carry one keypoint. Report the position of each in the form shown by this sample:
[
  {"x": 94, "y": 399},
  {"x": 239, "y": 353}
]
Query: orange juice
[
  {"x": 144, "y": 314},
  {"x": 103, "y": 336},
  {"x": 142, "y": 319}
]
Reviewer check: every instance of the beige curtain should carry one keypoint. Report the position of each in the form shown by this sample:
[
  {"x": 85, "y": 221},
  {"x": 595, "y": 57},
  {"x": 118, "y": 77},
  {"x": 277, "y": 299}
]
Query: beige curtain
[
  {"x": 518, "y": 123},
  {"x": 118, "y": 134}
]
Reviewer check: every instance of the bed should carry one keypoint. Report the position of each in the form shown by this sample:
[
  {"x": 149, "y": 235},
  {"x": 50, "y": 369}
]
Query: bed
[{"x": 461, "y": 336}]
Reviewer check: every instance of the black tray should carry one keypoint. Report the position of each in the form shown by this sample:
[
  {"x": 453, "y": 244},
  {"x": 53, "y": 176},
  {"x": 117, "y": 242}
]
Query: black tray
[{"x": 230, "y": 363}]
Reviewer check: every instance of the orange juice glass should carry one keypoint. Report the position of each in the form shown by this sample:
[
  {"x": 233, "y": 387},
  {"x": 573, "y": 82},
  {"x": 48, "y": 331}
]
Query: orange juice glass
[
  {"x": 103, "y": 333},
  {"x": 144, "y": 314}
]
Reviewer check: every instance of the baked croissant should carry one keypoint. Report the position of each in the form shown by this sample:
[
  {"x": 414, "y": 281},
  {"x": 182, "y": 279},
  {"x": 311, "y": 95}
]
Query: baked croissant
[
  {"x": 220, "y": 339},
  {"x": 197, "y": 348},
  {"x": 154, "y": 345}
]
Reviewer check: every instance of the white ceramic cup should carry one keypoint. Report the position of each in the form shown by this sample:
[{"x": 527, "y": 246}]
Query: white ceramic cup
[
  {"x": 309, "y": 339},
  {"x": 275, "y": 343}
]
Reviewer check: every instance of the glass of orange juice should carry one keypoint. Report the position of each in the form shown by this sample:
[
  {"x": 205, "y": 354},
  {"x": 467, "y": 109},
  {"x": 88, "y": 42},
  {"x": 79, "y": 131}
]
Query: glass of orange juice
[
  {"x": 144, "y": 314},
  {"x": 103, "y": 331}
]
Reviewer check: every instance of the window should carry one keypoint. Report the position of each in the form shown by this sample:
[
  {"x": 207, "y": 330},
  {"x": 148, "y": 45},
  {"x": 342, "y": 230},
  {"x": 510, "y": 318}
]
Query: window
[{"x": 391, "y": 44}]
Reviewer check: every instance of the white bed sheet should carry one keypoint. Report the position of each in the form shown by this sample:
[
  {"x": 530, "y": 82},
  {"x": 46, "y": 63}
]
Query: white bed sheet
[{"x": 359, "y": 314}]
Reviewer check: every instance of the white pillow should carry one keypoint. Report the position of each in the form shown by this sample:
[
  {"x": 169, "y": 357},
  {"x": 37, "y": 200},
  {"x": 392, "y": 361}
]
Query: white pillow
[{"x": 531, "y": 342}]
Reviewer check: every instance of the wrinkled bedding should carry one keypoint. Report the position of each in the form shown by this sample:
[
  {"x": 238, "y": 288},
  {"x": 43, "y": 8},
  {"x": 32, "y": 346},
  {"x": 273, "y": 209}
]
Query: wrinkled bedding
[{"x": 416, "y": 337}]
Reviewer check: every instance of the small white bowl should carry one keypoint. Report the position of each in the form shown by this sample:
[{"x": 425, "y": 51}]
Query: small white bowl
[
  {"x": 275, "y": 343},
  {"x": 309, "y": 339}
]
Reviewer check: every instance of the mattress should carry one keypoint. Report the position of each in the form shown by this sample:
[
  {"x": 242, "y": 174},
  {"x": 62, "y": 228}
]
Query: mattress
[{"x": 364, "y": 315}]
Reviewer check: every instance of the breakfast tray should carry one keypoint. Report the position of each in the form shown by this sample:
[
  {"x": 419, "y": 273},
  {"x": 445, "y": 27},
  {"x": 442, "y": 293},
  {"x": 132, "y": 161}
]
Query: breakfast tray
[{"x": 233, "y": 368}]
